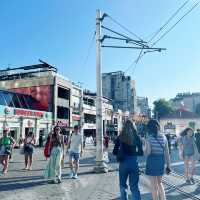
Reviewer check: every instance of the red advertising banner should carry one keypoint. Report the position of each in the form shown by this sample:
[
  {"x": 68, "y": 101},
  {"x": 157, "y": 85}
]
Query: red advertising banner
[{"x": 41, "y": 94}]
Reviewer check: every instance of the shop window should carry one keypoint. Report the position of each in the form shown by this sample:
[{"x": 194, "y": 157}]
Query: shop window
[
  {"x": 62, "y": 112},
  {"x": 28, "y": 130},
  {"x": 63, "y": 93},
  {"x": 23, "y": 101},
  {"x": 8, "y": 99},
  {"x": 2, "y": 100},
  {"x": 16, "y": 101}
]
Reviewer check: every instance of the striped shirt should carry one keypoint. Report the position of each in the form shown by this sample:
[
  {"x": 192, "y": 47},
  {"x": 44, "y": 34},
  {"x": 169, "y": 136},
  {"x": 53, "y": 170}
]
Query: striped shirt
[{"x": 157, "y": 144}]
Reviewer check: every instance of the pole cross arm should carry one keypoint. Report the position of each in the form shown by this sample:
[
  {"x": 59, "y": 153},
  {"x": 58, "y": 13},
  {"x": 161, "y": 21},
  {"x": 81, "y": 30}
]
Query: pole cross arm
[
  {"x": 122, "y": 35},
  {"x": 127, "y": 40},
  {"x": 129, "y": 47}
]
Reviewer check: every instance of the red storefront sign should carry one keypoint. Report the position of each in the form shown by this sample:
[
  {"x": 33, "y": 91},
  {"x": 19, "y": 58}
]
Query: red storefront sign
[
  {"x": 76, "y": 117},
  {"x": 29, "y": 113}
]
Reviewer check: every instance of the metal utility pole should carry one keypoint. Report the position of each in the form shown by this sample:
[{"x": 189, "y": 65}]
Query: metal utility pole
[
  {"x": 100, "y": 164},
  {"x": 136, "y": 44}
]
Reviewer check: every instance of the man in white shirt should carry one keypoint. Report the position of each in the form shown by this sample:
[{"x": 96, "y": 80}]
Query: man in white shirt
[{"x": 75, "y": 151}]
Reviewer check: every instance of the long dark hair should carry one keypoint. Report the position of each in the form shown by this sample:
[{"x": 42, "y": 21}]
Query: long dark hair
[
  {"x": 153, "y": 127},
  {"x": 129, "y": 133},
  {"x": 184, "y": 132}
]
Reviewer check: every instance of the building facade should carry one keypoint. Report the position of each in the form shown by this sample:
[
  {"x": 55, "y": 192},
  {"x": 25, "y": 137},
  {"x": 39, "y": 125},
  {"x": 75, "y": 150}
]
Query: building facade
[
  {"x": 43, "y": 88},
  {"x": 112, "y": 121},
  {"x": 177, "y": 121},
  {"x": 17, "y": 112},
  {"x": 143, "y": 106},
  {"x": 121, "y": 89},
  {"x": 187, "y": 100},
  {"x": 77, "y": 105}
]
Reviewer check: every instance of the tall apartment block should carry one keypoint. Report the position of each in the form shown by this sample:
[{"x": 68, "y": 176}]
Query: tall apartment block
[{"x": 121, "y": 89}]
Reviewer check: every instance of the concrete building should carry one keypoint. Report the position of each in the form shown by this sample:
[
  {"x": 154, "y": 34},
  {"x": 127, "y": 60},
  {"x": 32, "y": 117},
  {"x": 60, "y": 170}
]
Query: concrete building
[
  {"x": 187, "y": 100},
  {"x": 121, "y": 89},
  {"x": 49, "y": 91},
  {"x": 143, "y": 106},
  {"x": 112, "y": 121},
  {"x": 77, "y": 105},
  {"x": 177, "y": 121}
]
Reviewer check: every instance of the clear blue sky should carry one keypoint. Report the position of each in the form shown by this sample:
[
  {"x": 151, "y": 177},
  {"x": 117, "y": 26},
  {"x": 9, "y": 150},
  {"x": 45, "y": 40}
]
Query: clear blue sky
[{"x": 60, "y": 31}]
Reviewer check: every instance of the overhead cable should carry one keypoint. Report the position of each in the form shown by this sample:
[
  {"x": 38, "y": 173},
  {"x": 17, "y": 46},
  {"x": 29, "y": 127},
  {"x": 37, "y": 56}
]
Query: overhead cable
[
  {"x": 89, "y": 49},
  {"x": 123, "y": 27},
  {"x": 169, "y": 20},
  {"x": 164, "y": 34}
]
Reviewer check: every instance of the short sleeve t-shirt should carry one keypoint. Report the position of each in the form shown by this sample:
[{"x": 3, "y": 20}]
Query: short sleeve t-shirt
[
  {"x": 157, "y": 144},
  {"x": 76, "y": 142},
  {"x": 188, "y": 145}
]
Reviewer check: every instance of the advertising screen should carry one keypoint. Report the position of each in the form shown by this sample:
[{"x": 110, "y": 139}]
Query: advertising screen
[{"x": 42, "y": 96}]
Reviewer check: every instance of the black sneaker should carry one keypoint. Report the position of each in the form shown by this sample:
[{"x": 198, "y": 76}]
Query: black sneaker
[
  {"x": 52, "y": 182},
  {"x": 192, "y": 180},
  {"x": 59, "y": 181},
  {"x": 188, "y": 181}
]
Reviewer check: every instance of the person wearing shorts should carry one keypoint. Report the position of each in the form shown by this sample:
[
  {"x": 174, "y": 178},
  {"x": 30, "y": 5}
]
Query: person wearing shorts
[
  {"x": 6, "y": 145},
  {"x": 29, "y": 143},
  {"x": 188, "y": 152},
  {"x": 75, "y": 147}
]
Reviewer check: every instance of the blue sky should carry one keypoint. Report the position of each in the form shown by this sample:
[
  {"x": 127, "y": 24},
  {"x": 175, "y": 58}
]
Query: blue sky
[{"x": 60, "y": 31}]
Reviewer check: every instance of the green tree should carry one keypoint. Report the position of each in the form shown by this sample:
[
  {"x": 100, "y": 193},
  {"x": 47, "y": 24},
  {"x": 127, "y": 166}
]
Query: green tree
[
  {"x": 162, "y": 108},
  {"x": 197, "y": 109}
]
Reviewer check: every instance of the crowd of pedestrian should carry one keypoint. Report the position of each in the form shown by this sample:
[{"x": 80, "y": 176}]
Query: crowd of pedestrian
[
  {"x": 129, "y": 144},
  {"x": 154, "y": 145}
]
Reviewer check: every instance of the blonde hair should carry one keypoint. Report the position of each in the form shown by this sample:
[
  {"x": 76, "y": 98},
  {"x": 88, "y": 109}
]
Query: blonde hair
[{"x": 129, "y": 133}]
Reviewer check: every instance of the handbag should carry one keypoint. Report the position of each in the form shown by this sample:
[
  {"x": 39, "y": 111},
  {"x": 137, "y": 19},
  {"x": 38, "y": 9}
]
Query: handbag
[
  {"x": 8, "y": 149},
  {"x": 47, "y": 148},
  {"x": 120, "y": 154}
]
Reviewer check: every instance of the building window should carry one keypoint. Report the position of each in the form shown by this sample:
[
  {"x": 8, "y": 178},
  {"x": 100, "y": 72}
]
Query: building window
[
  {"x": 88, "y": 118},
  {"x": 115, "y": 121},
  {"x": 63, "y": 93},
  {"x": 62, "y": 112}
]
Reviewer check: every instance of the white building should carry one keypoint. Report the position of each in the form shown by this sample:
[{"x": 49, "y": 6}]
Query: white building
[
  {"x": 187, "y": 100},
  {"x": 177, "y": 121},
  {"x": 112, "y": 121}
]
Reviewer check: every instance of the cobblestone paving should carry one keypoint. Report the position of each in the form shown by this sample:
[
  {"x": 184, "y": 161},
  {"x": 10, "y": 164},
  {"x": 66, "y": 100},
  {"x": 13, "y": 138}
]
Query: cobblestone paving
[{"x": 19, "y": 184}]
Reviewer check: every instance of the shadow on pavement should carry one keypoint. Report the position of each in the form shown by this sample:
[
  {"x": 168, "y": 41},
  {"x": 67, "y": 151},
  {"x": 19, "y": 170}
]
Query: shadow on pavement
[
  {"x": 17, "y": 186},
  {"x": 18, "y": 179}
]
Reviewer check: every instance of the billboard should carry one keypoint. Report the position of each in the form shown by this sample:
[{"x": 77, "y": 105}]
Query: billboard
[{"x": 42, "y": 96}]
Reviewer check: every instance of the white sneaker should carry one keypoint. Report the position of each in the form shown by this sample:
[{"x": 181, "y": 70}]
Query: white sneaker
[
  {"x": 71, "y": 175},
  {"x": 75, "y": 176}
]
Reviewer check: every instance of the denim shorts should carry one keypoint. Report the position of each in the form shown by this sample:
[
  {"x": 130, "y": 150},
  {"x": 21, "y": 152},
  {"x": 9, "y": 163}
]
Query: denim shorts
[{"x": 74, "y": 156}]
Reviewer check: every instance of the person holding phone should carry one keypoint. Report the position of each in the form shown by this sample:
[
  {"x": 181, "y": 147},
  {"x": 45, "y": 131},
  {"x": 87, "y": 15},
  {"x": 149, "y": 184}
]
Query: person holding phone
[
  {"x": 156, "y": 148},
  {"x": 29, "y": 144}
]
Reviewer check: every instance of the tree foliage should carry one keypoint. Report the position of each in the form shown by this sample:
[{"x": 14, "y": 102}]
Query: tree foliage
[{"x": 162, "y": 107}]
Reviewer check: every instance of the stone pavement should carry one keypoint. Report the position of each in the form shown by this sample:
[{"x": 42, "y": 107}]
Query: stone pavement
[{"x": 19, "y": 184}]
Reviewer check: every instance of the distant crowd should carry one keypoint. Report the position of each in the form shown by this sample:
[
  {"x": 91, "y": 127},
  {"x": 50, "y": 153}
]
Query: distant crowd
[{"x": 129, "y": 144}]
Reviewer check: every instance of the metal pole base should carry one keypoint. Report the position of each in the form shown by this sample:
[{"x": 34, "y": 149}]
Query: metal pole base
[{"x": 101, "y": 167}]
